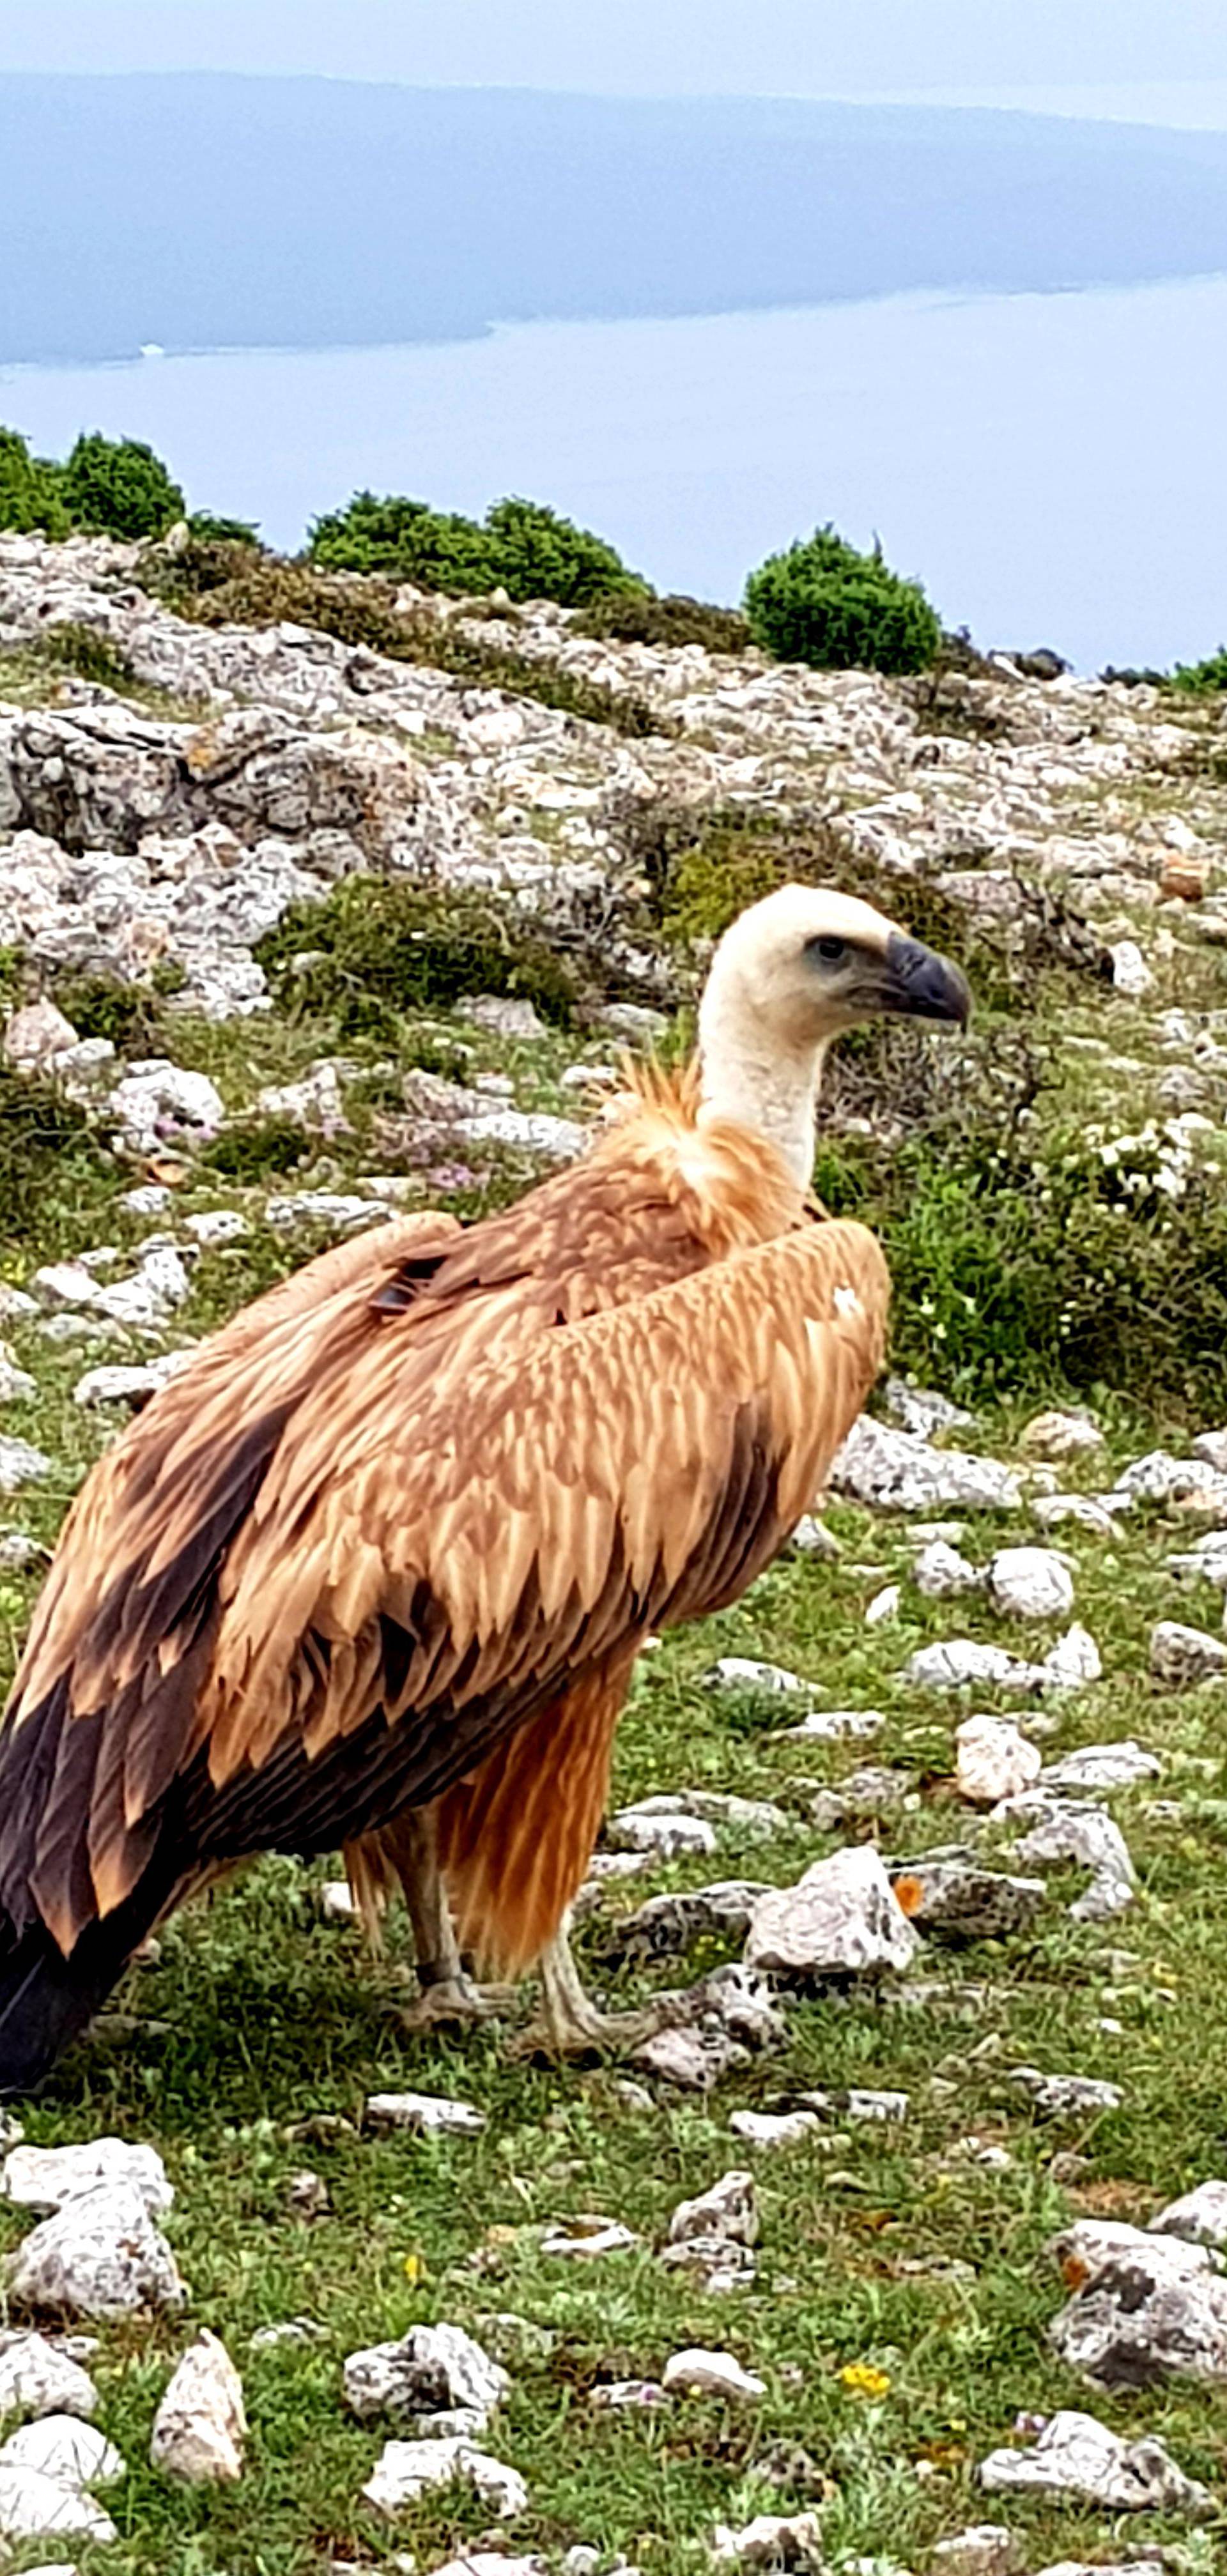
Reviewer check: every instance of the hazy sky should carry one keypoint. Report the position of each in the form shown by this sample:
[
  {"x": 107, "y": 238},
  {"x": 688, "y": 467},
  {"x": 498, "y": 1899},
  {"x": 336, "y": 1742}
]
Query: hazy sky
[{"x": 803, "y": 47}]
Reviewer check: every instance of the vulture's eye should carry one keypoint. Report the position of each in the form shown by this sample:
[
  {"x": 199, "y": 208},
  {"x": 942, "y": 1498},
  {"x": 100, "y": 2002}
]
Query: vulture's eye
[{"x": 831, "y": 951}]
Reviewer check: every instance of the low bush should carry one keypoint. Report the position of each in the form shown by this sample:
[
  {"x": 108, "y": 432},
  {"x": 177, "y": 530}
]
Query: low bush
[
  {"x": 49, "y": 1154},
  {"x": 373, "y": 950},
  {"x": 641, "y": 617},
  {"x": 118, "y": 487},
  {"x": 521, "y": 547},
  {"x": 824, "y": 603},
  {"x": 79, "y": 648},
  {"x": 256, "y": 1149},
  {"x": 31, "y": 490},
  {"x": 1202, "y": 679}
]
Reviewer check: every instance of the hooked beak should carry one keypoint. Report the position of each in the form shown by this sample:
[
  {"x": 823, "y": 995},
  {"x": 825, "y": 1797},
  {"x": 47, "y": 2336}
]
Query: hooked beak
[{"x": 921, "y": 985}]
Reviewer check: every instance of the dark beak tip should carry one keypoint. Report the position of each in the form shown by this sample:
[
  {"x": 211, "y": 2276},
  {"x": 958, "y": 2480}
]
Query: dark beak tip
[{"x": 931, "y": 987}]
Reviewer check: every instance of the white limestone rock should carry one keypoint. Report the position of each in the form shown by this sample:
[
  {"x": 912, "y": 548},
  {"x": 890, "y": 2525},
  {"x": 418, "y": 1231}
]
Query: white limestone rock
[
  {"x": 1199, "y": 2215},
  {"x": 157, "y": 1101},
  {"x": 993, "y": 1761},
  {"x": 1066, "y": 2096},
  {"x": 1130, "y": 972},
  {"x": 1086, "y": 1835},
  {"x": 1061, "y": 1435},
  {"x": 959, "y": 1901},
  {"x": 65, "y": 2448},
  {"x": 984, "y": 2549},
  {"x": 35, "y": 1035},
  {"x": 1077, "y": 2457},
  {"x": 406, "y": 2470},
  {"x": 942, "y": 1574},
  {"x": 556, "y": 1140},
  {"x": 22, "y": 1464},
  {"x": 1181, "y": 1658},
  {"x": 36, "y": 2507},
  {"x": 771, "y": 2540},
  {"x": 46, "y": 2178},
  {"x": 1146, "y": 2307},
  {"x": 837, "y": 1725},
  {"x": 216, "y": 1225},
  {"x": 1086, "y": 1511},
  {"x": 772, "y": 2131},
  {"x": 1030, "y": 1583},
  {"x": 697, "y": 2372},
  {"x": 859, "y": 2102},
  {"x": 99, "y": 2256},
  {"x": 1074, "y": 1662},
  {"x": 436, "y": 2376},
  {"x": 16, "y": 1384},
  {"x": 956, "y": 1661},
  {"x": 728, "y": 2210},
  {"x": 920, "y": 1409},
  {"x": 424, "y": 2114},
  {"x": 742, "y": 1673},
  {"x": 840, "y": 1919},
  {"x": 588, "y": 2238},
  {"x": 669, "y": 1835},
  {"x": 1101, "y": 1766},
  {"x": 38, "y": 2378},
  {"x": 895, "y": 1471},
  {"x": 200, "y": 2428}
]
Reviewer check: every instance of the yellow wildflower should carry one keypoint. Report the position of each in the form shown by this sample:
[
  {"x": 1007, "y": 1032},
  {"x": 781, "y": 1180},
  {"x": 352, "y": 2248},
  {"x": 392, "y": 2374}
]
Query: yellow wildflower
[{"x": 862, "y": 2380}]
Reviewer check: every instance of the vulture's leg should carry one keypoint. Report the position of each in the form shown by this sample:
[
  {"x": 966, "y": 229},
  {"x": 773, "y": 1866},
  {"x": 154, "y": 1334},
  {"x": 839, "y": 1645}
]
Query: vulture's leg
[
  {"x": 570, "y": 2024},
  {"x": 448, "y": 1993}
]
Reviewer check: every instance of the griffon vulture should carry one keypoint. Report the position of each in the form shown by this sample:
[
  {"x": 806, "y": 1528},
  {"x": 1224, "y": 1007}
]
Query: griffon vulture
[{"x": 393, "y": 1539}]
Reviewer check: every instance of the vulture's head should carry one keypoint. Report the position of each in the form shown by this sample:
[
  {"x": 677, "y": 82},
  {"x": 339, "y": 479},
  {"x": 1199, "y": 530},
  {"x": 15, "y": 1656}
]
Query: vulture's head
[
  {"x": 787, "y": 977},
  {"x": 807, "y": 962}
]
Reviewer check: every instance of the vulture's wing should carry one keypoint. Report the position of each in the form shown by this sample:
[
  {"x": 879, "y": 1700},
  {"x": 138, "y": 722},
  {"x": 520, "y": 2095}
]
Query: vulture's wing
[{"x": 408, "y": 1588}]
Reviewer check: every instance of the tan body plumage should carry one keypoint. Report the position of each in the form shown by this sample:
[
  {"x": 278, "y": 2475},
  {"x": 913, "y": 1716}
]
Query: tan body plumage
[{"x": 425, "y": 1501}]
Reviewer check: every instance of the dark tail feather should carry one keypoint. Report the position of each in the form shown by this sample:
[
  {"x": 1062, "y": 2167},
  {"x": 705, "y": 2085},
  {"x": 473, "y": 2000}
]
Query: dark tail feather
[{"x": 46, "y": 2000}]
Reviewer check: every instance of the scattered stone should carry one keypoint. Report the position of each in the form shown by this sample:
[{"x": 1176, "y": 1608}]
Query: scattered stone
[
  {"x": 1130, "y": 972},
  {"x": 692, "y": 2059},
  {"x": 1145, "y": 2306},
  {"x": 859, "y": 2102},
  {"x": 1085, "y": 1510},
  {"x": 941, "y": 1573},
  {"x": 157, "y": 1101},
  {"x": 1088, "y": 1836},
  {"x": 666, "y": 1925},
  {"x": 35, "y": 1035},
  {"x": 622, "y": 2396},
  {"x": 984, "y": 2549},
  {"x": 1074, "y": 1661},
  {"x": 534, "y": 1131},
  {"x": 994, "y": 1761},
  {"x": 36, "y": 2507},
  {"x": 65, "y": 2448},
  {"x": 436, "y": 2376},
  {"x": 884, "y": 1605},
  {"x": 920, "y": 1409},
  {"x": 1066, "y": 2096},
  {"x": 773, "y": 2540},
  {"x": 955, "y": 1661},
  {"x": 424, "y": 2114},
  {"x": 16, "y": 1384},
  {"x": 893, "y": 1470},
  {"x": 296, "y": 2330},
  {"x": 1101, "y": 1766},
  {"x": 1182, "y": 1657},
  {"x": 217, "y": 1225},
  {"x": 200, "y": 2427},
  {"x": 588, "y": 2237},
  {"x": 406, "y": 2470},
  {"x": 46, "y": 2178},
  {"x": 488, "y": 2562},
  {"x": 38, "y": 2378},
  {"x": 1076, "y": 2456},
  {"x": 742, "y": 1673},
  {"x": 99, "y": 2256},
  {"x": 22, "y": 1464},
  {"x": 669, "y": 1835},
  {"x": 958, "y": 1901},
  {"x": 773, "y": 2130},
  {"x": 338, "y": 1212},
  {"x": 1030, "y": 1583},
  {"x": 840, "y": 1919},
  {"x": 873, "y": 1791},
  {"x": 1200, "y": 2215},
  {"x": 1061, "y": 1435},
  {"x": 837, "y": 1725},
  {"x": 1161, "y": 1478},
  {"x": 728, "y": 2210},
  {"x": 812, "y": 1538},
  {"x": 710, "y": 2374},
  {"x": 152, "y": 1198}
]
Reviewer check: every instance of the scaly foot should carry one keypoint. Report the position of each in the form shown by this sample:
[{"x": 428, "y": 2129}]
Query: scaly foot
[{"x": 453, "y": 2003}]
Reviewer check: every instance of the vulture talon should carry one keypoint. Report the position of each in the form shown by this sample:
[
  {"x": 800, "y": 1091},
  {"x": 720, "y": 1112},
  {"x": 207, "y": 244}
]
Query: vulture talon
[
  {"x": 570, "y": 2025},
  {"x": 450, "y": 2004}
]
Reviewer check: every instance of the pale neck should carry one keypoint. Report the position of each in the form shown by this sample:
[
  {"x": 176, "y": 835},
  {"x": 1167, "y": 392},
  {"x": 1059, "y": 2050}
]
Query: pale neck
[{"x": 747, "y": 1074}]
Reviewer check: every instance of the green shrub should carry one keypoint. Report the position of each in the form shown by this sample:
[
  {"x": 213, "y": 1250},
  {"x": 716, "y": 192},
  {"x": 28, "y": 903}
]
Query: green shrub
[
  {"x": 205, "y": 525},
  {"x": 640, "y": 617},
  {"x": 31, "y": 490},
  {"x": 119, "y": 487},
  {"x": 1202, "y": 679},
  {"x": 99, "y": 1006},
  {"x": 251, "y": 1149},
  {"x": 48, "y": 1154},
  {"x": 822, "y": 602},
  {"x": 522, "y": 547},
  {"x": 373, "y": 950}
]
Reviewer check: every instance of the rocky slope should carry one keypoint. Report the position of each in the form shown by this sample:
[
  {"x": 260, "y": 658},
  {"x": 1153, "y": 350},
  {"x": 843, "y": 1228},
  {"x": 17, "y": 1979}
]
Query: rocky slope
[{"x": 913, "y": 2213}]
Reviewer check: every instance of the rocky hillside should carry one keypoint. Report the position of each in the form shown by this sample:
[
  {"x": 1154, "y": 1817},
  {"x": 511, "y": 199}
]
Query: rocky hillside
[{"x": 318, "y": 899}]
